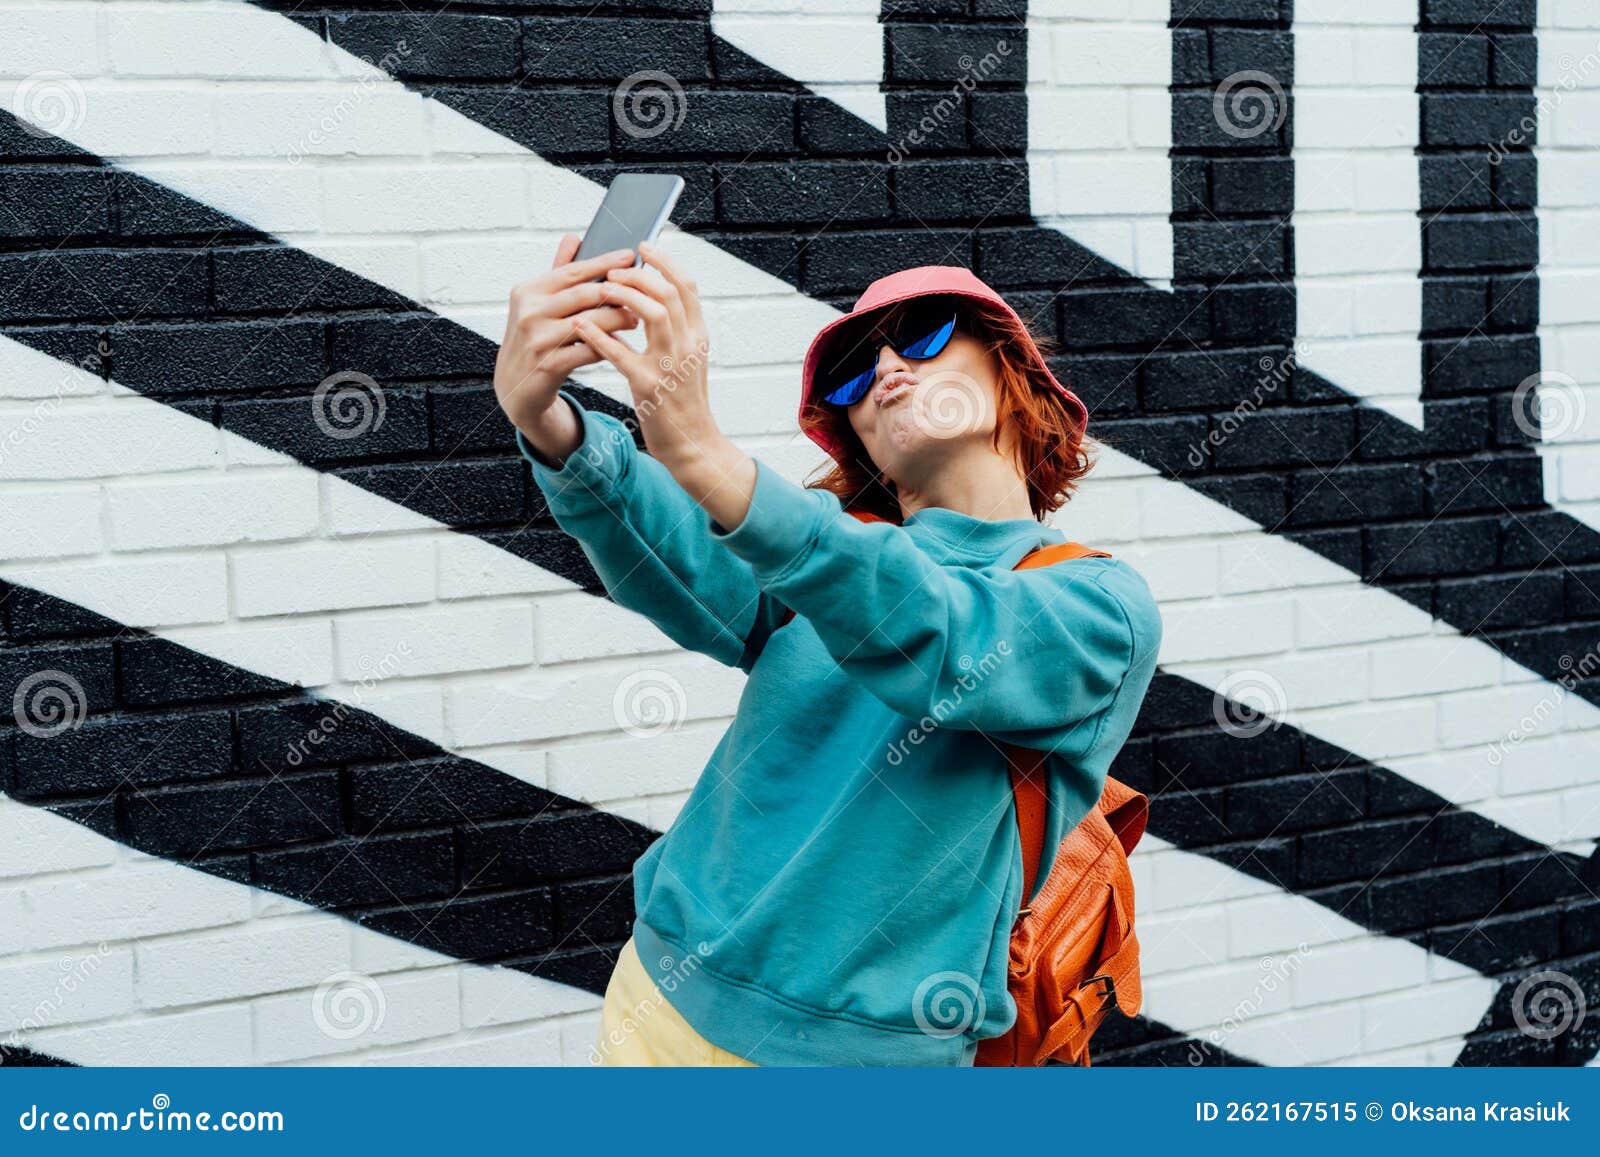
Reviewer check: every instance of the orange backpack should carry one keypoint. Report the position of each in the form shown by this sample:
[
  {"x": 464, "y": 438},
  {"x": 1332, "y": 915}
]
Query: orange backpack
[{"x": 1074, "y": 956}]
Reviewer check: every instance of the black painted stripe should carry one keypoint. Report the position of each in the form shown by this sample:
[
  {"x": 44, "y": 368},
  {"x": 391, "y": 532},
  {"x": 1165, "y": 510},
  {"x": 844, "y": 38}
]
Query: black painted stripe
[
  {"x": 17, "y": 1057},
  {"x": 238, "y": 775},
  {"x": 125, "y": 278},
  {"x": 1452, "y": 518},
  {"x": 1370, "y": 845},
  {"x": 212, "y": 766}
]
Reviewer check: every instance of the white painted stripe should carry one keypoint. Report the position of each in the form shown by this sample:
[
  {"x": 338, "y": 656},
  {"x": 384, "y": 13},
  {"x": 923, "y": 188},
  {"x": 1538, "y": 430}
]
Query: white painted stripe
[
  {"x": 1280, "y": 979},
  {"x": 1272, "y": 623},
  {"x": 1569, "y": 256},
  {"x": 547, "y": 711},
  {"x": 1214, "y": 571},
  {"x": 116, "y": 958},
  {"x": 833, "y": 47},
  {"x": 343, "y": 162},
  {"x": 1100, "y": 129},
  {"x": 1358, "y": 241},
  {"x": 1408, "y": 693},
  {"x": 311, "y": 610}
]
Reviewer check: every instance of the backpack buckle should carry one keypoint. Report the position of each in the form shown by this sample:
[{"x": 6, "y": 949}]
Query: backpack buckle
[{"x": 1110, "y": 991}]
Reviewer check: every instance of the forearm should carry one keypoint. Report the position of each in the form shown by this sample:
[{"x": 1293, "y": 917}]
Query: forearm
[
  {"x": 649, "y": 543},
  {"x": 1000, "y": 652},
  {"x": 719, "y": 476}
]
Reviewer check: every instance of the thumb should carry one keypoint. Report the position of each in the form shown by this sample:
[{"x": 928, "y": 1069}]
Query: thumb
[{"x": 567, "y": 250}]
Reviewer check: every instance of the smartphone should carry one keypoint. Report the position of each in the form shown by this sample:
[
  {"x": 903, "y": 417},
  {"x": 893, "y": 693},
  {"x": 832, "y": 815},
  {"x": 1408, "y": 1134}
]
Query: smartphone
[{"x": 635, "y": 208}]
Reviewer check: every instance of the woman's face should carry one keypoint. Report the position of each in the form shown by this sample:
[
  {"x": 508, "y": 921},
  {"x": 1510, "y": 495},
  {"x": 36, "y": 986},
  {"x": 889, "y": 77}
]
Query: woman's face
[{"x": 918, "y": 412}]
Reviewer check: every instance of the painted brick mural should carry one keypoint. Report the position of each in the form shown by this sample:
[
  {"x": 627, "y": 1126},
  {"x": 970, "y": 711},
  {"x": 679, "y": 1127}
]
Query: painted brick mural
[{"x": 323, "y": 743}]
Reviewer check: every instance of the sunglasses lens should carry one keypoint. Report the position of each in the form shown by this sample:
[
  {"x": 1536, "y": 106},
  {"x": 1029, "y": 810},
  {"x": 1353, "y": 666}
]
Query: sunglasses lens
[
  {"x": 917, "y": 335},
  {"x": 930, "y": 345},
  {"x": 852, "y": 391}
]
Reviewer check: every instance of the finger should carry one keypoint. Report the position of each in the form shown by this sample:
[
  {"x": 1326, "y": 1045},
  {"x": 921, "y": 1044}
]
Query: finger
[
  {"x": 567, "y": 250},
  {"x": 566, "y": 302},
  {"x": 574, "y": 273},
  {"x": 591, "y": 268},
  {"x": 569, "y": 358},
  {"x": 648, "y": 282},
  {"x": 614, "y": 350},
  {"x": 559, "y": 360},
  {"x": 677, "y": 278},
  {"x": 653, "y": 311},
  {"x": 611, "y": 318},
  {"x": 556, "y": 333}
]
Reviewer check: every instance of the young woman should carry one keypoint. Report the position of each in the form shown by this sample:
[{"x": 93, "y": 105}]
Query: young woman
[{"x": 840, "y": 885}]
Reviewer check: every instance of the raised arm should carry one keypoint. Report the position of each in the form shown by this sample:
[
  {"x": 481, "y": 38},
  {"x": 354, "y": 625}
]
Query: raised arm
[
  {"x": 648, "y": 541},
  {"x": 1035, "y": 657},
  {"x": 645, "y": 537}
]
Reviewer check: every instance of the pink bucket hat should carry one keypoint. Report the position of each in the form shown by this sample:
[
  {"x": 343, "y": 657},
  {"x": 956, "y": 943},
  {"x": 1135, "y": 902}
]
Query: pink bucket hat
[{"x": 923, "y": 281}]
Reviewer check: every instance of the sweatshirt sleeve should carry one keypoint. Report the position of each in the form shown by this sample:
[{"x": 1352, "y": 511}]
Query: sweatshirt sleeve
[
  {"x": 1034, "y": 656},
  {"x": 649, "y": 542}
]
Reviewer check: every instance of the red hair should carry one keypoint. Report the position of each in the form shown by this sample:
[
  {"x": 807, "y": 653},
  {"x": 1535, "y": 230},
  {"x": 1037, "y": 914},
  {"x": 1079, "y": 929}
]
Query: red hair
[{"x": 1048, "y": 446}]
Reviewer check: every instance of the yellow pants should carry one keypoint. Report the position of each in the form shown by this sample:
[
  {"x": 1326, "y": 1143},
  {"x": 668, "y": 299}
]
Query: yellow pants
[{"x": 638, "y": 1027}]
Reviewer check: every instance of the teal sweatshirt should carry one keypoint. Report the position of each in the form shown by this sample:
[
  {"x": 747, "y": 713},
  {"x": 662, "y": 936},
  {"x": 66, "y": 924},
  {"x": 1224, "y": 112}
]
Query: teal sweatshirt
[{"x": 840, "y": 886}]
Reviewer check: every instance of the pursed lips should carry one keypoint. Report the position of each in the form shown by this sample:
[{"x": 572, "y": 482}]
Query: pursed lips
[{"x": 893, "y": 386}]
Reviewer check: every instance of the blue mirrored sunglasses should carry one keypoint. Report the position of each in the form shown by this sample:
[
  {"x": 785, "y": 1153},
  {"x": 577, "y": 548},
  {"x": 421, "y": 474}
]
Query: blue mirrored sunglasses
[{"x": 914, "y": 340}]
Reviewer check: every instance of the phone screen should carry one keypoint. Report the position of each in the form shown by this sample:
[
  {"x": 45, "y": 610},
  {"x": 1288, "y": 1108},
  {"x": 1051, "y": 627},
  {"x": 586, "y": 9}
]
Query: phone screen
[{"x": 635, "y": 207}]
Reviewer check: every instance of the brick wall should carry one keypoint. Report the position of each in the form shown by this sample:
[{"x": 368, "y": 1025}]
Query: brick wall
[{"x": 355, "y": 755}]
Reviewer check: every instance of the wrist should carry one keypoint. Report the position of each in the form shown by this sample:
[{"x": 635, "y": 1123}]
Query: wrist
[
  {"x": 707, "y": 468},
  {"x": 554, "y": 433}
]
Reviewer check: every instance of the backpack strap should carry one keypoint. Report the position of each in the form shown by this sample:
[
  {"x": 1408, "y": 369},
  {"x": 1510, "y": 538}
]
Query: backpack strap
[
  {"x": 1059, "y": 552},
  {"x": 1027, "y": 764}
]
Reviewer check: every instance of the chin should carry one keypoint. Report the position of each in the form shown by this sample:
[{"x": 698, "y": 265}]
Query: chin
[{"x": 913, "y": 454}]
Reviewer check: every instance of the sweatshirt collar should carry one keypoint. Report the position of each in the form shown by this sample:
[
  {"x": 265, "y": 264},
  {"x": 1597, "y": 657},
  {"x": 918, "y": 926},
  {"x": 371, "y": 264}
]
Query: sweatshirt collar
[{"x": 950, "y": 536}]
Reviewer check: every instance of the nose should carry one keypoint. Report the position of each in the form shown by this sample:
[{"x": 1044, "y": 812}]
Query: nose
[{"x": 889, "y": 360}]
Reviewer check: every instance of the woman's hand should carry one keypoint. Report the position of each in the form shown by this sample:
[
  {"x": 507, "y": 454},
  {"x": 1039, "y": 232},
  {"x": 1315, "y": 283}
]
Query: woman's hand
[
  {"x": 668, "y": 383},
  {"x": 542, "y": 346}
]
